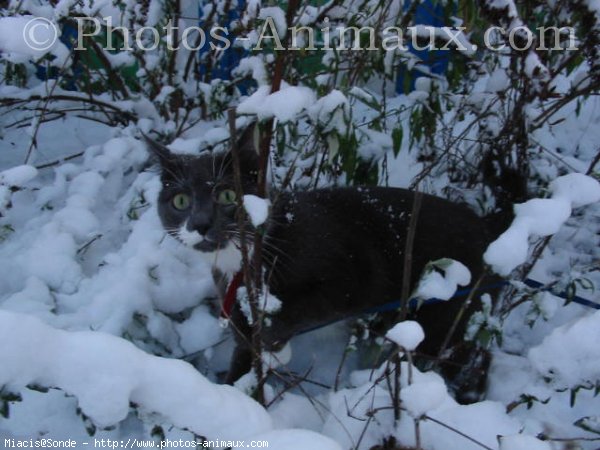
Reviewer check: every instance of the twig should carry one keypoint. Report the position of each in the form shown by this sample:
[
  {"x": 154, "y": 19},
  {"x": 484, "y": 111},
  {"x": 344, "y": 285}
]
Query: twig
[
  {"x": 128, "y": 116},
  {"x": 574, "y": 439},
  {"x": 594, "y": 162},
  {"x": 397, "y": 386},
  {"x": 33, "y": 142},
  {"x": 407, "y": 265},
  {"x": 338, "y": 372},
  {"x": 173, "y": 56},
  {"x": 458, "y": 317},
  {"x": 247, "y": 268},
  {"x": 466, "y": 436},
  {"x": 59, "y": 161},
  {"x": 85, "y": 246}
]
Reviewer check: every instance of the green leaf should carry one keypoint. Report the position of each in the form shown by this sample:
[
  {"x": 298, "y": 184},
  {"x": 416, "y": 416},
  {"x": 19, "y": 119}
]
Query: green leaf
[
  {"x": 397, "y": 134},
  {"x": 573, "y": 396}
]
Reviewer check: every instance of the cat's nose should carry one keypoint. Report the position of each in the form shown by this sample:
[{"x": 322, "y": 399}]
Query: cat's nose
[{"x": 201, "y": 226}]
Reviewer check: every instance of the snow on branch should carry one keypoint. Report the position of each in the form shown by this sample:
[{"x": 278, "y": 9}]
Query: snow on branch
[
  {"x": 506, "y": 14},
  {"x": 13, "y": 179},
  {"x": 285, "y": 104},
  {"x": 31, "y": 38},
  {"x": 540, "y": 217}
]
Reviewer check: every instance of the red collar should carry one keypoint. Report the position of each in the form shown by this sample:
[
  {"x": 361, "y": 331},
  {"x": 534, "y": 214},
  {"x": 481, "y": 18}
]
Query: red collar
[{"x": 230, "y": 295}]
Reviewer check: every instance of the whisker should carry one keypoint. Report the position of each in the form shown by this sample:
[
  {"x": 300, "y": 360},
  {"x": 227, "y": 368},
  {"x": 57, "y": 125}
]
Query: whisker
[
  {"x": 225, "y": 162},
  {"x": 277, "y": 258}
]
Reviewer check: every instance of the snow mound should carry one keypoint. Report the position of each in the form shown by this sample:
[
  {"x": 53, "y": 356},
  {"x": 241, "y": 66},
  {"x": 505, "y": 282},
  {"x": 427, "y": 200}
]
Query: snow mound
[
  {"x": 107, "y": 373},
  {"x": 298, "y": 440},
  {"x": 362, "y": 414},
  {"x": 569, "y": 355}
]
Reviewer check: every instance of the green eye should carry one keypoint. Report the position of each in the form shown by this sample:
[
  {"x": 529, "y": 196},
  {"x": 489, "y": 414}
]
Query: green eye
[
  {"x": 226, "y": 197},
  {"x": 181, "y": 202}
]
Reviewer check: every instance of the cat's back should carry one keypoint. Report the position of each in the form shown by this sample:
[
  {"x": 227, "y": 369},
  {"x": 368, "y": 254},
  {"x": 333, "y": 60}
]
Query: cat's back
[
  {"x": 370, "y": 225},
  {"x": 332, "y": 253},
  {"x": 349, "y": 209}
]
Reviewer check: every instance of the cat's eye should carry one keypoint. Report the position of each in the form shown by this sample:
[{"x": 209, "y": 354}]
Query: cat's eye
[
  {"x": 181, "y": 202},
  {"x": 227, "y": 197}
]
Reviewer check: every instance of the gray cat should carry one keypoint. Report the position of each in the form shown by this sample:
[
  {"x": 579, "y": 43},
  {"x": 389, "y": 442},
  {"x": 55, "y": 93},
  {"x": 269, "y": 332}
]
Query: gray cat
[{"x": 330, "y": 253}]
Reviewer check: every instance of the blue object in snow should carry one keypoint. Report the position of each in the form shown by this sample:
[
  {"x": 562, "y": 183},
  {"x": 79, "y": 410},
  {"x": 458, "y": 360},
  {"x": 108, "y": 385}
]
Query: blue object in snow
[{"x": 428, "y": 13}]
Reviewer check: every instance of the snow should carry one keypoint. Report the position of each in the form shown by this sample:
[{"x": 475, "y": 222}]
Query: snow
[
  {"x": 522, "y": 442},
  {"x": 423, "y": 84},
  {"x": 10, "y": 179},
  {"x": 351, "y": 409},
  {"x": 540, "y": 217},
  {"x": 293, "y": 411},
  {"x": 408, "y": 335},
  {"x": 285, "y": 104},
  {"x": 433, "y": 284},
  {"x": 534, "y": 68},
  {"x": 106, "y": 373},
  {"x": 273, "y": 360},
  {"x": 92, "y": 286},
  {"x": 137, "y": 283},
  {"x": 16, "y": 34},
  {"x": 331, "y": 111},
  {"x": 18, "y": 176},
  {"x": 374, "y": 144},
  {"x": 267, "y": 303},
  {"x": 278, "y": 16},
  {"x": 297, "y": 440},
  {"x": 420, "y": 398},
  {"x": 201, "y": 331},
  {"x": 498, "y": 81},
  {"x": 257, "y": 209},
  {"x": 577, "y": 188},
  {"x": 569, "y": 355},
  {"x": 254, "y": 66}
]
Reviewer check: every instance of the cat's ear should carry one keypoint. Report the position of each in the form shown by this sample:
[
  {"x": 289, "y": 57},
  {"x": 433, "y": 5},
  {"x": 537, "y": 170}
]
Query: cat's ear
[
  {"x": 247, "y": 145},
  {"x": 248, "y": 141},
  {"x": 159, "y": 151}
]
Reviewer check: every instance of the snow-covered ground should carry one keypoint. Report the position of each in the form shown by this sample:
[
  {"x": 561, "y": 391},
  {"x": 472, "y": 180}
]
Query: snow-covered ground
[{"x": 92, "y": 288}]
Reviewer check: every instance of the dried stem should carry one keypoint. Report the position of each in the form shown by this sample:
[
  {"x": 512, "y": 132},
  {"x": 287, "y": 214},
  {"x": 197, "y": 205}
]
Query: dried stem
[{"x": 249, "y": 276}]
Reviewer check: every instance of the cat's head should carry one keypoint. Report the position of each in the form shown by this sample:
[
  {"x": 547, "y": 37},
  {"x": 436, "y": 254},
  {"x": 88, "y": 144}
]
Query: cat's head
[{"x": 197, "y": 202}]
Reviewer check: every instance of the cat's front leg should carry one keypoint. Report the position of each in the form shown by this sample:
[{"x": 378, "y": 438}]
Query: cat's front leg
[
  {"x": 241, "y": 359},
  {"x": 274, "y": 334}
]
